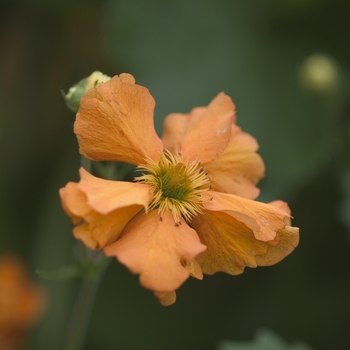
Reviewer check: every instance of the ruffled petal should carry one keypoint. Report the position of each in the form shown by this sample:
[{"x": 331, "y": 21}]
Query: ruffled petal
[
  {"x": 263, "y": 219},
  {"x": 231, "y": 245},
  {"x": 283, "y": 206},
  {"x": 104, "y": 196},
  {"x": 101, "y": 216},
  {"x": 157, "y": 250},
  {"x": 74, "y": 202},
  {"x": 204, "y": 133},
  {"x": 238, "y": 168},
  {"x": 175, "y": 126},
  {"x": 115, "y": 122},
  {"x": 98, "y": 230},
  {"x": 239, "y": 232},
  {"x": 166, "y": 298},
  {"x": 288, "y": 240}
]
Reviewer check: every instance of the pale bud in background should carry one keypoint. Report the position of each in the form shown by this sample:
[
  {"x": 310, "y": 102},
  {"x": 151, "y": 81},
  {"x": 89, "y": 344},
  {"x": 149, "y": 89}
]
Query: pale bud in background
[
  {"x": 78, "y": 90},
  {"x": 95, "y": 78},
  {"x": 319, "y": 73}
]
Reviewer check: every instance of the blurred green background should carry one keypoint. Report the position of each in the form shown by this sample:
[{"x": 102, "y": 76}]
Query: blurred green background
[{"x": 186, "y": 52}]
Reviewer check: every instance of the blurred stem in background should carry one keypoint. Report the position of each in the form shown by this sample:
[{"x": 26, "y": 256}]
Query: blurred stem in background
[
  {"x": 92, "y": 264},
  {"x": 95, "y": 265},
  {"x": 86, "y": 164}
]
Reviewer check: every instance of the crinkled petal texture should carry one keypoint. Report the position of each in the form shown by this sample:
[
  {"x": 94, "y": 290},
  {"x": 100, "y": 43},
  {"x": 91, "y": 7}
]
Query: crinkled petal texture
[
  {"x": 210, "y": 135},
  {"x": 102, "y": 208},
  {"x": 238, "y": 168},
  {"x": 115, "y": 122},
  {"x": 239, "y": 232},
  {"x": 202, "y": 134},
  {"x": 158, "y": 250}
]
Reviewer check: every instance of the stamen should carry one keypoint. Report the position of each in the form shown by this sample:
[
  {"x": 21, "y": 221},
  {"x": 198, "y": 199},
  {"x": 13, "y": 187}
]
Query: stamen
[{"x": 176, "y": 185}]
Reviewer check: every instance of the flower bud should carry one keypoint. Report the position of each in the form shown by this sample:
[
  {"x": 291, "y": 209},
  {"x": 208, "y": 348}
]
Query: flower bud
[
  {"x": 319, "y": 73},
  {"x": 78, "y": 90}
]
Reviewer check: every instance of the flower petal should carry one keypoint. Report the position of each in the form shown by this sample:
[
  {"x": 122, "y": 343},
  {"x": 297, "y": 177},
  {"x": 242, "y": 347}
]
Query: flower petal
[
  {"x": 195, "y": 270},
  {"x": 115, "y": 122},
  {"x": 288, "y": 240},
  {"x": 102, "y": 207},
  {"x": 231, "y": 245},
  {"x": 166, "y": 298},
  {"x": 263, "y": 219},
  {"x": 238, "y": 168},
  {"x": 74, "y": 203},
  {"x": 22, "y": 302},
  {"x": 283, "y": 206},
  {"x": 205, "y": 134},
  {"x": 239, "y": 232},
  {"x": 104, "y": 196},
  {"x": 174, "y": 128},
  {"x": 156, "y": 249},
  {"x": 98, "y": 230}
]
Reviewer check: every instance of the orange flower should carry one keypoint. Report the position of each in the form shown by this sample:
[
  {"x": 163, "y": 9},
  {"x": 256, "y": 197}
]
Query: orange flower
[
  {"x": 175, "y": 220},
  {"x": 21, "y": 302}
]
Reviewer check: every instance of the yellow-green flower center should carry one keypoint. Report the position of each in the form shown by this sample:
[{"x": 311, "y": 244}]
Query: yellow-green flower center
[{"x": 177, "y": 185}]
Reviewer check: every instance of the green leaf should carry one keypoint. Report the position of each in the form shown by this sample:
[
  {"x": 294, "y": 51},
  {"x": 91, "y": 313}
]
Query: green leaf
[{"x": 63, "y": 273}]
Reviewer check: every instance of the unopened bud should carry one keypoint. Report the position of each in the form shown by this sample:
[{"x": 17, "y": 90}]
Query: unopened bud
[
  {"x": 319, "y": 73},
  {"x": 78, "y": 90}
]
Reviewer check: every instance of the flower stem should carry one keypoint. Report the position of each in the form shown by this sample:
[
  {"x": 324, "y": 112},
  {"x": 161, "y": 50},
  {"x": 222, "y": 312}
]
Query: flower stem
[
  {"x": 78, "y": 325},
  {"x": 86, "y": 163}
]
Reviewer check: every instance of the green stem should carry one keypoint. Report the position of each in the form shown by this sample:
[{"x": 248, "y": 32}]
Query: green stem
[
  {"x": 79, "y": 321},
  {"x": 86, "y": 163}
]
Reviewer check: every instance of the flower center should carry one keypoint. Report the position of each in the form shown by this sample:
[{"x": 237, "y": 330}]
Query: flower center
[{"x": 177, "y": 185}]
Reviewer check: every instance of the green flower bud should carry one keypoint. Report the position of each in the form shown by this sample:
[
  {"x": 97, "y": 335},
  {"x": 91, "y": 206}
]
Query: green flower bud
[{"x": 76, "y": 92}]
